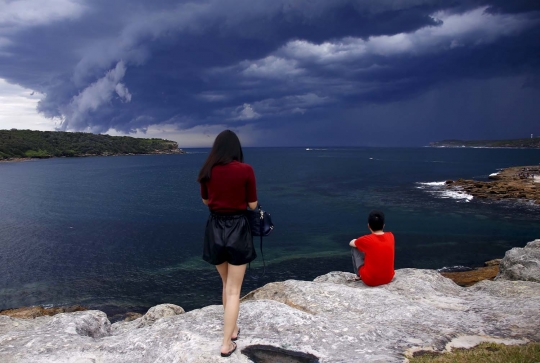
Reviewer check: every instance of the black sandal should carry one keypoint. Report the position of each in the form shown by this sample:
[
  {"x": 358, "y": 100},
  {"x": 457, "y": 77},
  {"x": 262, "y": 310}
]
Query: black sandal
[
  {"x": 237, "y": 335},
  {"x": 231, "y": 352}
]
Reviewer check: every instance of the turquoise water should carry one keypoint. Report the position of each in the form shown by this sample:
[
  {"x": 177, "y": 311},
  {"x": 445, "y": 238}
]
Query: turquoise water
[{"x": 125, "y": 233}]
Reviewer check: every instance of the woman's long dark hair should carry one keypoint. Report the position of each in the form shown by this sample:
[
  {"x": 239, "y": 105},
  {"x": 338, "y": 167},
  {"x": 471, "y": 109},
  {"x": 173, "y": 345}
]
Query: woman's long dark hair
[{"x": 226, "y": 148}]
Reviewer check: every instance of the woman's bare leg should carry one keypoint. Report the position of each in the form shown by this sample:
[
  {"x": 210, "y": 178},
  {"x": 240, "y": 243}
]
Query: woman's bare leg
[
  {"x": 223, "y": 272},
  {"x": 223, "y": 269},
  {"x": 234, "y": 275}
]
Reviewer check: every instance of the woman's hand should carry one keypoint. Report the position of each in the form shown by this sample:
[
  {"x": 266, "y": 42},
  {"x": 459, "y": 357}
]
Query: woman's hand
[
  {"x": 253, "y": 205},
  {"x": 205, "y": 201}
]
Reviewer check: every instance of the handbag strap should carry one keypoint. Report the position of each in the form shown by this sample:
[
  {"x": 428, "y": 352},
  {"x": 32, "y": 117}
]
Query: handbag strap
[
  {"x": 262, "y": 255},
  {"x": 255, "y": 277}
]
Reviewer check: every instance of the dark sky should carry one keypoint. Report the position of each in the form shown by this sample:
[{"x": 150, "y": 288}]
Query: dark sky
[{"x": 279, "y": 72}]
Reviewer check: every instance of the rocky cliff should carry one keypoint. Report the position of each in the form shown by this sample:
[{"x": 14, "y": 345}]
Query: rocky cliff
[{"x": 330, "y": 319}]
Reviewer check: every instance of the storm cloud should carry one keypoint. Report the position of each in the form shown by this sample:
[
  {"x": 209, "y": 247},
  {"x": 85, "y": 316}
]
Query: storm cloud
[{"x": 282, "y": 72}]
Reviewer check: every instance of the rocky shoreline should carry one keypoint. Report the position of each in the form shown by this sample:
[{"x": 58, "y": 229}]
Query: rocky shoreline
[
  {"x": 519, "y": 183},
  {"x": 462, "y": 278},
  {"x": 330, "y": 319},
  {"x": 157, "y": 152},
  {"x": 33, "y": 312}
]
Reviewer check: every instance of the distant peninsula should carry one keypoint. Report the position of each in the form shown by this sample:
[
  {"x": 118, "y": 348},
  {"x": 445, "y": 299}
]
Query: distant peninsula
[
  {"x": 531, "y": 143},
  {"x": 26, "y": 144}
]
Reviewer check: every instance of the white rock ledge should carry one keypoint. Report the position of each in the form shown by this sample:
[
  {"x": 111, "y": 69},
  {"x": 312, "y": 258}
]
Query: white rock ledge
[{"x": 332, "y": 318}]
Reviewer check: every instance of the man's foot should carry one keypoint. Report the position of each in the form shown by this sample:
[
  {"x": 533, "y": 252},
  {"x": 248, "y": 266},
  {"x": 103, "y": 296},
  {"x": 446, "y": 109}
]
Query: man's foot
[
  {"x": 235, "y": 336},
  {"x": 228, "y": 354}
]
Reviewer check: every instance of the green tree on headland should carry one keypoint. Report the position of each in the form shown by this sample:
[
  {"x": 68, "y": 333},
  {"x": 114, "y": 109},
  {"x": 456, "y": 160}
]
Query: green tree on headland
[{"x": 45, "y": 144}]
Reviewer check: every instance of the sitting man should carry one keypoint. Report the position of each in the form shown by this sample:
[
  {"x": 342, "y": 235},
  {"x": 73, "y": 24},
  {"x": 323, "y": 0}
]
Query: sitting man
[{"x": 373, "y": 254}]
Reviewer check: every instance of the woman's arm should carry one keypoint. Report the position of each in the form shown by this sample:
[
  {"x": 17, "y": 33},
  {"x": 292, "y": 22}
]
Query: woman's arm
[
  {"x": 251, "y": 188},
  {"x": 352, "y": 243},
  {"x": 204, "y": 193}
]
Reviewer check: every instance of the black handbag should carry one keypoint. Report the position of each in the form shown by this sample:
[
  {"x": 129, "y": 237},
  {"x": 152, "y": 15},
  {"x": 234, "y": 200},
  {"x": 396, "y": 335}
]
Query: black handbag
[
  {"x": 260, "y": 222},
  {"x": 261, "y": 225}
]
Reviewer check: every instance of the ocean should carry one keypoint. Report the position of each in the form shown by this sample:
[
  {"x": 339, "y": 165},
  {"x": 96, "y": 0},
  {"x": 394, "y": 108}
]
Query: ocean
[{"x": 125, "y": 233}]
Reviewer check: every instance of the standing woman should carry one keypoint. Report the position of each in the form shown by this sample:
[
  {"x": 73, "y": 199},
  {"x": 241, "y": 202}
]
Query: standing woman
[{"x": 228, "y": 188}]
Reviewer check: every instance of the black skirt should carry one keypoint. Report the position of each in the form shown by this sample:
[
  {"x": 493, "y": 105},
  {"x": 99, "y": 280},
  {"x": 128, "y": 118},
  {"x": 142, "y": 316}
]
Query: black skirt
[{"x": 228, "y": 239}]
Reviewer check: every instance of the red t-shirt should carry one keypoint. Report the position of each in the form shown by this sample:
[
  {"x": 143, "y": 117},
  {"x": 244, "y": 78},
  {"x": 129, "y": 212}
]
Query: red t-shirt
[
  {"x": 378, "y": 267},
  {"x": 230, "y": 188}
]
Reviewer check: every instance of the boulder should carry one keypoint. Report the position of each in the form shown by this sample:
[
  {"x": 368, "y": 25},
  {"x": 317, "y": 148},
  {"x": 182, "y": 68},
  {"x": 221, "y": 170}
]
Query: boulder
[
  {"x": 152, "y": 315},
  {"x": 90, "y": 323},
  {"x": 157, "y": 312},
  {"x": 521, "y": 263},
  {"x": 330, "y": 319}
]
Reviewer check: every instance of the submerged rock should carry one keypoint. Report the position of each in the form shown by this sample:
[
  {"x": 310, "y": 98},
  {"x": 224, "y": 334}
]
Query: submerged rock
[{"x": 330, "y": 319}]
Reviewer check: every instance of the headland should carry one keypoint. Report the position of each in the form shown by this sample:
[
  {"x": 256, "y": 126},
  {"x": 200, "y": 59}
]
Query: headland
[
  {"x": 529, "y": 143},
  {"x": 21, "y": 145}
]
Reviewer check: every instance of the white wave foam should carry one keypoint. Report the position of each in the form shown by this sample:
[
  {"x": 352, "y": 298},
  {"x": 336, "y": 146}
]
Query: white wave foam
[
  {"x": 439, "y": 190},
  {"x": 457, "y": 268},
  {"x": 456, "y": 194},
  {"x": 494, "y": 174},
  {"x": 433, "y": 183}
]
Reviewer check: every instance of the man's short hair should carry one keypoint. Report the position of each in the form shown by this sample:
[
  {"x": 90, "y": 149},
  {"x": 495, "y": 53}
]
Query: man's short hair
[{"x": 376, "y": 220}]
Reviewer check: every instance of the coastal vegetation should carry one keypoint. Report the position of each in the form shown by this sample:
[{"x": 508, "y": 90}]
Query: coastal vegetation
[
  {"x": 485, "y": 352},
  {"x": 512, "y": 143},
  {"x": 46, "y": 144}
]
